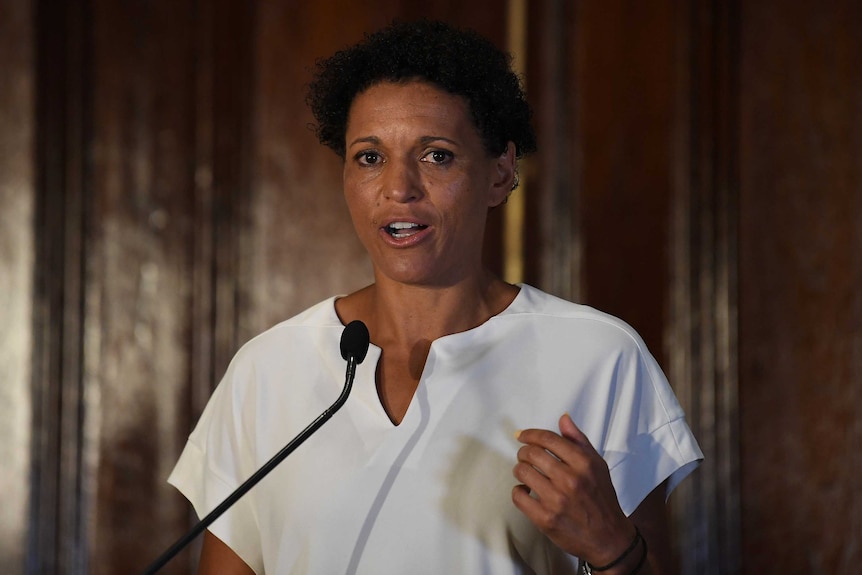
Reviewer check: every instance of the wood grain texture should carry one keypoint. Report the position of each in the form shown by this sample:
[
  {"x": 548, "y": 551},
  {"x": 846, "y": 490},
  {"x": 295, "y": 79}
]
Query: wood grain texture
[
  {"x": 801, "y": 286},
  {"x": 702, "y": 344},
  {"x": 56, "y": 534},
  {"x": 138, "y": 276},
  {"x": 625, "y": 73},
  {"x": 17, "y": 259},
  {"x": 553, "y": 241}
]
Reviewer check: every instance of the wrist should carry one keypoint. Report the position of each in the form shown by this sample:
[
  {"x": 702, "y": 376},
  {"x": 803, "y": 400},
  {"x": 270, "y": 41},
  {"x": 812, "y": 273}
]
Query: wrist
[{"x": 629, "y": 562}]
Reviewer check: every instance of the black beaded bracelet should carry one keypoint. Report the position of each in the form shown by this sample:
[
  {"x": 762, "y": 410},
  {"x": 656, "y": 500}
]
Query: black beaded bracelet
[
  {"x": 640, "y": 564},
  {"x": 588, "y": 569}
]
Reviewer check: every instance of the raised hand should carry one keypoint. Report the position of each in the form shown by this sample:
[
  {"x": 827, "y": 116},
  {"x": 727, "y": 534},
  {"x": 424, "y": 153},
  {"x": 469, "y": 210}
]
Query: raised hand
[{"x": 566, "y": 491}]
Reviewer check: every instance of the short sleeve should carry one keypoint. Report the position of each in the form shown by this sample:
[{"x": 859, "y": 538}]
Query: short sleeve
[
  {"x": 648, "y": 439},
  {"x": 668, "y": 453},
  {"x": 216, "y": 460}
]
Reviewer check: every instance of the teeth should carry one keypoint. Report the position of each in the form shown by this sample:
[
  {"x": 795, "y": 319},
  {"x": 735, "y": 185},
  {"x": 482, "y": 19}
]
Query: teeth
[{"x": 406, "y": 229}]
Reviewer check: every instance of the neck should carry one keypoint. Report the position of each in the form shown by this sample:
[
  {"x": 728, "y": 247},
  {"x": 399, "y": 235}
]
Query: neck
[
  {"x": 404, "y": 320},
  {"x": 401, "y": 315}
]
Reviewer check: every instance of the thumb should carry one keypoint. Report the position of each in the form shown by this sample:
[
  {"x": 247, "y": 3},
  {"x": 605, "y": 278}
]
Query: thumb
[{"x": 570, "y": 431}]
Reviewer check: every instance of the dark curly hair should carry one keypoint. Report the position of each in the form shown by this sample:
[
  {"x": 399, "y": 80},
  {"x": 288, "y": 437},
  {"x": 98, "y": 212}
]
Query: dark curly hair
[{"x": 459, "y": 61}]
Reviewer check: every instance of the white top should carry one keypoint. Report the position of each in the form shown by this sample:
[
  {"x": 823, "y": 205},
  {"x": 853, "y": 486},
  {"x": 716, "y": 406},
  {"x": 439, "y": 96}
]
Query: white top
[{"x": 433, "y": 494}]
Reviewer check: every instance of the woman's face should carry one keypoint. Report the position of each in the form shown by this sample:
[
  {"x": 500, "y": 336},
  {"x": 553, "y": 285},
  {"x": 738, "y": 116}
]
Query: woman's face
[{"x": 419, "y": 183}]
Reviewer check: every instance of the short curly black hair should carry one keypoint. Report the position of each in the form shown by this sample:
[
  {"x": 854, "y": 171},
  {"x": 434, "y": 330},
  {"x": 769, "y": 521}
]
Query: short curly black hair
[{"x": 460, "y": 62}]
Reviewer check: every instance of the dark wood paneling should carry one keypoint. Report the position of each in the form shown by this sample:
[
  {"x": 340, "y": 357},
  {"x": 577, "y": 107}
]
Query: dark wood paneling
[
  {"x": 701, "y": 334},
  {"x": 56, "y": 542},
  {"x": 602, "y": 78},
  {"x": 801, "y": 286},
  {"x": 139, "y": 276},
  {"x": 625, "y": 77},
  {"x": 552, "y": 234},
  {"x": 17, "y": 198}
]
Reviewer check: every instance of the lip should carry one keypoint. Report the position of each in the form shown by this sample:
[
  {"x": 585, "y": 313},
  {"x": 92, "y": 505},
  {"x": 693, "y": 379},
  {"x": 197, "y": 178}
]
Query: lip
[{"x": 411, "y": 240}]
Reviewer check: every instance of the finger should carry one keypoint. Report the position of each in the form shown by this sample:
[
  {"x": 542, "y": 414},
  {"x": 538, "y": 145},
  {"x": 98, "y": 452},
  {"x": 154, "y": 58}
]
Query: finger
[
  {"x": 526, "y": 503},
  {"x": 592, "y": 458},
  {"x": 537, "y": 459},
  {"x": 537, "y": 477},
  {"x": 572, "y": 432},
  {"x": 560, "y": 447},
  {"x": 547, "y": 495}
]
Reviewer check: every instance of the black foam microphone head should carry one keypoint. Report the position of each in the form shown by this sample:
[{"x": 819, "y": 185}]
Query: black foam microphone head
[{"x": 354, "y": 341}]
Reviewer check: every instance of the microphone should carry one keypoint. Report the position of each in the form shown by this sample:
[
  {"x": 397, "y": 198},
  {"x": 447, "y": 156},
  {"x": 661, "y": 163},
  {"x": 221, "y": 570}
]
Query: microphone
[
  {"x": 355, "y": 341},
  {"x": 354, "y": 346}
]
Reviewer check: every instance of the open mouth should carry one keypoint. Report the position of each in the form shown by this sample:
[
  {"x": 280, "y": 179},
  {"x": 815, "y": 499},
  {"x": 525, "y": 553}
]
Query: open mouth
[{"x": 403, "y": 229}]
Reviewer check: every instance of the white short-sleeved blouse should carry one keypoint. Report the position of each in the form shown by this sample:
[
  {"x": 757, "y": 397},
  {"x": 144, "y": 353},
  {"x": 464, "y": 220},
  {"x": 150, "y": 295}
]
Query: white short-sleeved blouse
[{"x": 433, "y": 494}]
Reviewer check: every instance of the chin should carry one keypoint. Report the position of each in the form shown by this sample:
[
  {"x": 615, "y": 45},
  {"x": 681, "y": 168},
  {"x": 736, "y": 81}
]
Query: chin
[
  {"x": 414, "y": 272},
  {"x": 420, "y": 278}
]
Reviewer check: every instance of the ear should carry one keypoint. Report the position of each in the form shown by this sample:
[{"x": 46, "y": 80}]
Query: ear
[{"x": 503, "y": 176}]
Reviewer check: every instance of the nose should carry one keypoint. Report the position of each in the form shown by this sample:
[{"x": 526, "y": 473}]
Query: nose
[{"x": 401, "y": 181}]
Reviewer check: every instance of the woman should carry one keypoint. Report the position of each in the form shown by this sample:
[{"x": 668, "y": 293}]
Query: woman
[{"x": 424, "y": 469}]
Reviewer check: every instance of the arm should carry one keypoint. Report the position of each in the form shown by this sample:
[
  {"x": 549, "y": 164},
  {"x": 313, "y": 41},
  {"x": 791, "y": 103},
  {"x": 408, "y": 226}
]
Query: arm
[
  {"x": 219, "y": 559},
  {"x": 566, "y": 491},
  {"x": 651, "y": 518}
]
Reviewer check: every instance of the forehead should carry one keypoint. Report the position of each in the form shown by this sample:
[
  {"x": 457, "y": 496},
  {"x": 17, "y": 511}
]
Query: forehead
[{"x": 392, "y": 104}]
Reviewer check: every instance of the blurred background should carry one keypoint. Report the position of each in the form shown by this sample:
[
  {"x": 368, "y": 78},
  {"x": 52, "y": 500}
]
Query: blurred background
[{"x": 162, "y": 200}]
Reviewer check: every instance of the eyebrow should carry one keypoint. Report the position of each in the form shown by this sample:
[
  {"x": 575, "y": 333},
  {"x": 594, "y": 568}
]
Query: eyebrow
[
  {"x": 430, "y": 139},
  {"x": 424, "y": 140},
  {"x": 367, "y": 139}
]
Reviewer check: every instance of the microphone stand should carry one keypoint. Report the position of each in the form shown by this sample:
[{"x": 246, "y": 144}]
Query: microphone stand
[{"x": 352, "y": 361}]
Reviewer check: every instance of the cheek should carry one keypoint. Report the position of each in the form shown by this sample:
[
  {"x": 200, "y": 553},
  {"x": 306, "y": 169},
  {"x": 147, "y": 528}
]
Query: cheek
[
  {"x": 469, "y": 202},
  {"x": 361, "y": 212}
]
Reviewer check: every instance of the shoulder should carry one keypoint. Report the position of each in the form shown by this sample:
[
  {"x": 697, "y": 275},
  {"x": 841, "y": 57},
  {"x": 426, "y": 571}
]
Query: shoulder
[
  {"x": 301, "y": 329},
  {"x": 560, "y": 318},
  {"x": 289, "y": 350},
  {"x": 303, "y": 348}
]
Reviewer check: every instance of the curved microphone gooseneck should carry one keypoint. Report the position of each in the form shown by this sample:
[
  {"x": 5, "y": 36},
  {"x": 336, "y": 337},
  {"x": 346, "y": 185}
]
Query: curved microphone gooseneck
[{"x": 354, "y": 346}]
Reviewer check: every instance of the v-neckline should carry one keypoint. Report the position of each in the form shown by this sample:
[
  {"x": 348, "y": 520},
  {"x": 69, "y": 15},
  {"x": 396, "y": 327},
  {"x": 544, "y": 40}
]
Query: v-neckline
[{"x": 368, "y": 389}]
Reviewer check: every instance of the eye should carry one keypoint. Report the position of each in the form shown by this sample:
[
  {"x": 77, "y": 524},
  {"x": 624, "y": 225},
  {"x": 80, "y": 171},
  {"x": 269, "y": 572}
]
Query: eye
[
  {"x": 438, "y": 157},
  {"x": 367, "y": 158}
]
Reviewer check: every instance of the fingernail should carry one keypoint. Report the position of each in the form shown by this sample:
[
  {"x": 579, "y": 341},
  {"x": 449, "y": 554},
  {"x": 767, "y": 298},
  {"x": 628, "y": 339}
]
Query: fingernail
[{"x": 518, "y": 433}]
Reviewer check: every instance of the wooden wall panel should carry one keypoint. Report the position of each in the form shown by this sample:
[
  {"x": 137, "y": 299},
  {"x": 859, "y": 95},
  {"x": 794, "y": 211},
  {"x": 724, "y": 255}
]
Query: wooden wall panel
[
  {"x": 56, "y": 530},
  {"x": 801, "y": 286},
  {"x": 702, "y": 288},
  {"x": 17, "y": 257},
  {"x": 552, "y": 178},
  {"x": 138, "y": 276},
  {"x": 624, "y": 79},
  {"x": 117, "y": 203}
]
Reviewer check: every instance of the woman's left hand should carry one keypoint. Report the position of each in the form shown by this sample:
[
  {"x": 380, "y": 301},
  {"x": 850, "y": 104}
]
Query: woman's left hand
[{"x": 566, "y": 491}]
